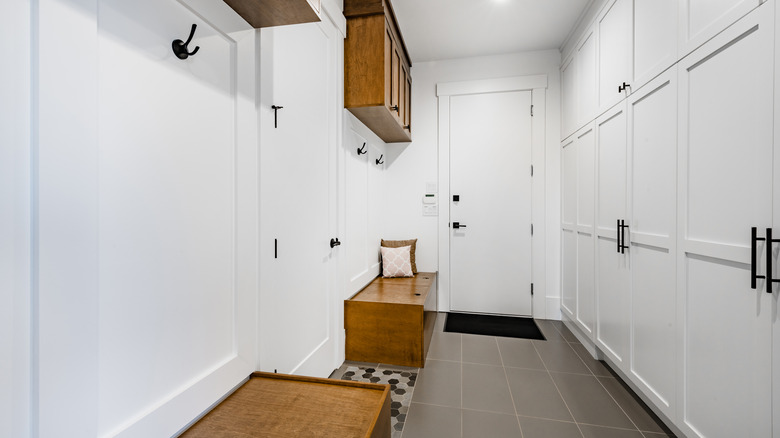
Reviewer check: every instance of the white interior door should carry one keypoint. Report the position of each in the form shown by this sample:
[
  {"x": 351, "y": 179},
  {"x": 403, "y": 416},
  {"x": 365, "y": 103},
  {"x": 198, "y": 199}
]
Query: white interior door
[
  {"x": 725, "y": 170},
  {"x": 490, "y": 172},
  {"x": 613, "y": 270},
  {"x": 297, "y": 318}
]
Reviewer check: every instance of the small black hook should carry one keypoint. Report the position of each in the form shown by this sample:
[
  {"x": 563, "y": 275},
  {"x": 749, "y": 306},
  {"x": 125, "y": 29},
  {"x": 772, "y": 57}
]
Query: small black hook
[
  {"x": 379, "y": 160},
  {"x": 362, "y": 150},
  {"x": 180, "y": 48},
  {"x": 276, "y": 108}
]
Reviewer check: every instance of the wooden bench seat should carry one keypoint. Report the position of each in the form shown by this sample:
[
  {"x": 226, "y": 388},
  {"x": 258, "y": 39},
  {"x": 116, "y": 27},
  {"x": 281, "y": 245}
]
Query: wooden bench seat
[
  {"x": 391, "y": 320},
  {"x": 284, "y": 406}
]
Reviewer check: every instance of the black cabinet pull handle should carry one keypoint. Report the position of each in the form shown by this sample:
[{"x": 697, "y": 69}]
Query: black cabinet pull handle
[
  {"x": 457, "y": 225},
  {"x": 334, "y": 242},
  {"x": 623, "y": 246},
  {"x": 394, "y": 108},
  {"x": 754, "y": 239},
  {"x": 769, "y": 241},
  {"x": 623, "y": 87},
  {"x": 617, "y": 235}
]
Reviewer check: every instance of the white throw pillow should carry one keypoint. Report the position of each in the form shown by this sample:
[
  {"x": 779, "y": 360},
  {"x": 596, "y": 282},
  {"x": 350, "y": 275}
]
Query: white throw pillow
[{"x": 397, "y": 262}]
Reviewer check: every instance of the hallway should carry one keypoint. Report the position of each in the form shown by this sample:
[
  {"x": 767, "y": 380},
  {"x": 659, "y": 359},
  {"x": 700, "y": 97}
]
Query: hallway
[{"x": 484, "y": 386}]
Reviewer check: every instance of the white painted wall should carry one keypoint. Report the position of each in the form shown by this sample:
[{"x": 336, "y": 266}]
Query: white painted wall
[
  {"x": 15, "y": 334},
  {"x": 412, "y": 165}
]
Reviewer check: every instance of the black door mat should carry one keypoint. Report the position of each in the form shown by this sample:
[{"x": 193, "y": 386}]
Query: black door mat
[{"x": 493, "y": 325}]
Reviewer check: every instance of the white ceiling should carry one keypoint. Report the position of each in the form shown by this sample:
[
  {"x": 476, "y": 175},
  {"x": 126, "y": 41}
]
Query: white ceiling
[{"x": 446, "y": 29}]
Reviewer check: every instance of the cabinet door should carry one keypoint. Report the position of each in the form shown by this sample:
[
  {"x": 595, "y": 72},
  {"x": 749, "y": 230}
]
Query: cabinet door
[
  {"x": 701, "y": 20},
  {"x": 615, "y": 51},
  {"x": 395, "y": 81},
  {"x": 655, "y": 38},
  {"x": 404, "y": 76},
  {"x": 725, "y": 171},
  {"x": 586, "y": 299},
  {"x": 389, "y": 63},
  {"x": 569, "y": 228},
  {"x": 408, "y": 104},
  {"x": 569, "y": 103},
  {"x": 652, "y": 130},
  {"x": 613, "y": 288},
  {"x": 586, "y": 79}
]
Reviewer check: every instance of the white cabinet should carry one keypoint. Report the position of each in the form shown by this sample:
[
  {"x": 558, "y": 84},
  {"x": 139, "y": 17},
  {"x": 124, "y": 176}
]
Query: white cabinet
[
  {"x": 577, "y": 231},
  {"x": 569, "y": 227},
  {"x": 613, "y": 281},
  {"x": 700, "y": 20},
  {"x": 655, "y": 38},
  {"x": 586, "y": 79},
  {"x": 725, "y": 173},
  {"x": 614, "y": 42},
  {"x": 569, "y": 97},
  {"x": 652, "y": 158}
]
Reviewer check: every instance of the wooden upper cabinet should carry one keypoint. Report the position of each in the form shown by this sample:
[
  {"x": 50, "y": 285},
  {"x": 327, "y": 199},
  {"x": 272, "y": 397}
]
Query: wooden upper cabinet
[
  {"x": 269, "y": 13},
  {"x": 377, "y": 83}
]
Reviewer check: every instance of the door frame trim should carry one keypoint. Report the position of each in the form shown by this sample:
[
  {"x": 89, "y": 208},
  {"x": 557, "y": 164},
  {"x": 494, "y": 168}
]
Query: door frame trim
[{"x": 537, "y": 84}]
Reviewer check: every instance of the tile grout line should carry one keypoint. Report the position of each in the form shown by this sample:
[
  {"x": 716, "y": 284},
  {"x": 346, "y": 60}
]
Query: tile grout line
[
  {"x": 506, "y": 376},
  {"x": 558, "y": 389}
]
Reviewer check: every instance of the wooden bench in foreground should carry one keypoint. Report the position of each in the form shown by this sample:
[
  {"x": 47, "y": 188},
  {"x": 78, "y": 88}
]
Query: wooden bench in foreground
[
  {"x": 284, "y": 406},
  {"x": 391, "y": 320}
]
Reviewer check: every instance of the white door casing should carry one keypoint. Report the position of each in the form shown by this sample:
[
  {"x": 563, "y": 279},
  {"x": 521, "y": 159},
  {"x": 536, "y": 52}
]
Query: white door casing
[
  {"x": 725, "y": 163},
  {"x": 445, "y": 91},
  {"x": 490, "y": 171}
]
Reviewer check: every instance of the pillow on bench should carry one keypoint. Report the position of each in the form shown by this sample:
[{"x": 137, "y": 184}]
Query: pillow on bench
[
  {"x": 400, "y": 243},
  {"x": 396, "y": 262}
]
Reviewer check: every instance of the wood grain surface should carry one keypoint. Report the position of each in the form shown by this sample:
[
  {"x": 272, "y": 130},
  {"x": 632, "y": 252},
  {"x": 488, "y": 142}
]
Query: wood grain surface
[{"x": 284, "y": 406}]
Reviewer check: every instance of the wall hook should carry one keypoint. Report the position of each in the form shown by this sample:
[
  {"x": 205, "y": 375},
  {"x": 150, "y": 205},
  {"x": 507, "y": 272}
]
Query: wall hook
[
  {"x": 276, "y": 108},
  {"x": 180, "y": 48},
  {"x": 379, "y": 160},
  {"x": 362, "y": 150}
]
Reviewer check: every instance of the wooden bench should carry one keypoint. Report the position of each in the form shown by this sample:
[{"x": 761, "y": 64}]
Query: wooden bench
[
  {"x": 391, "y": 320},
  {"x": 279, "y": 405}
]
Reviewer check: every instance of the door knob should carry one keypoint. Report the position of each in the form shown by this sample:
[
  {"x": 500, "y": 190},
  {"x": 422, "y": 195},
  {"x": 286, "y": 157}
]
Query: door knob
[
  {"x": 458, "y": 225},
  {"x": 334, "y": 242}
]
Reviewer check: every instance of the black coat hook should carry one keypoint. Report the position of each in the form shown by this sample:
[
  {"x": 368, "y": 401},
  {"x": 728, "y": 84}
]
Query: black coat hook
[
  {"x": 379, "y": 160},
  {"x": 362, "y": 150},
  {"x": 180, "y": 48},
  {"x": 276, "y": 108}
]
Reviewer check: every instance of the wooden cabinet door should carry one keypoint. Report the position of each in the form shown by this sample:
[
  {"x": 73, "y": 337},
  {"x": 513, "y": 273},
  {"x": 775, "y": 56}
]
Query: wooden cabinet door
[
  {"x": 615, "y": 50},
  {"x": 389, "y": 59},
  {"x": 725, "y": 188},
  {"x": 408, "y": 104},
  {"x": 612, "y": 271},
  {"x": 395, "y": 80},
  {"x": 403, "y": 77}
]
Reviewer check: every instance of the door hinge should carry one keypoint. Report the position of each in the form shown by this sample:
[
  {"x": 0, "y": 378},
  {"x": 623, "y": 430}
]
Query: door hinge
[
  {"x": 532, "y": 170},
  {"x": 532, "y": 229},
  {"x": 532, "y": 289},
  {"x": 532, "y": 110}
]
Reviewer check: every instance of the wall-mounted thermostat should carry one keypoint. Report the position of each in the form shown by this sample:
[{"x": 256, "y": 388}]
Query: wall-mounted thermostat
[{"x": 430, "y": 204}]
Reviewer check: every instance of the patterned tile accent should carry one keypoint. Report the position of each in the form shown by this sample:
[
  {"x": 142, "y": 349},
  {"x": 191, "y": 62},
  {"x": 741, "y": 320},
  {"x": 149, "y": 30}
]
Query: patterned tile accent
[{"x": 401, "y": 389}]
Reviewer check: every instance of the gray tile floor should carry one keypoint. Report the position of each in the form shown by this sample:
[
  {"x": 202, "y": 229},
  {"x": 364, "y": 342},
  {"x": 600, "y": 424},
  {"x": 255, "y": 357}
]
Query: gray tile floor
[{"x": 492, "y": 387}]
